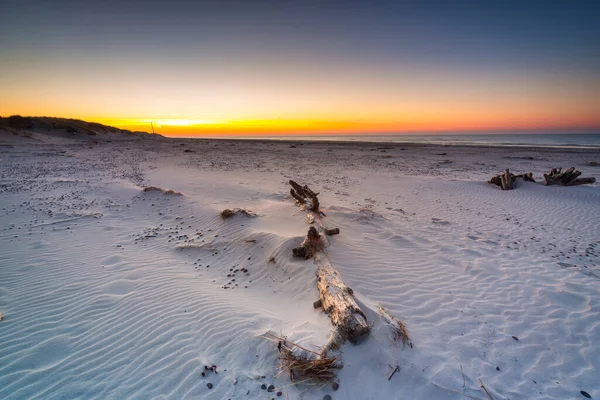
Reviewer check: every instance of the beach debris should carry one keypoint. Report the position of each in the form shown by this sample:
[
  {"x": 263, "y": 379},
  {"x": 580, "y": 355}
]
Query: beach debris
[
  {"x": 212, "y": 368},
  {"x": 209, "y": 385},
  {"x": 335, "y": 386},
  {"x": 331, "y": 232},
  {"x": 393, "y": 372},
  {"x": 398, "y": 327},
  {"x": 227, "y": 213},
  {"x": 337, "y": 299},
  {"x": 593, "y": 163},
  {"x": 161, "y": 190},
  {"x": 311, "y": 244},
  {"x": 557, "y": 176},
  {"x": 349, "y": 321},
  {"x": 507, "y": 180},
  {"x": 304, "y": 193},
  {"x": 570, "y": 177},
  {"x": 302, "y": 364},
  {"x": 0, "y": 316},
  {"x": 485, "y": 389}
]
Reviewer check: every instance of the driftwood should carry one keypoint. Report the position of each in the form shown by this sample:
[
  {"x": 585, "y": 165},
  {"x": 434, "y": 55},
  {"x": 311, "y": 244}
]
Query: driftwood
[
  {"x": 227, "y": 213},
  {"x": 557, "y": 176},
  {"x": 337, "y": 300},
  {"x": 570, "y": 177},
  {"x": 303, "y": 193},
  {"x": 527, "y": 177},
  {"x": 331, "y": 232},
  {"x": 507, "y": 180},
  {"x": 161, "y": 190}
]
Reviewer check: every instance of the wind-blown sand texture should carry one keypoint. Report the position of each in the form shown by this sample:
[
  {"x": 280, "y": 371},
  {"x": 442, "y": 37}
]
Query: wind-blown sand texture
[{"x": 107, "y": 291}]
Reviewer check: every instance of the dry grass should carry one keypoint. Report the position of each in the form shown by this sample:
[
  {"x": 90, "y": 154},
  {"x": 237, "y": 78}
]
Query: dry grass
[
  {"x": 227, "y": 213},
  {"x": 398, "y": 327},
  {"x": 303, "y": 365}
]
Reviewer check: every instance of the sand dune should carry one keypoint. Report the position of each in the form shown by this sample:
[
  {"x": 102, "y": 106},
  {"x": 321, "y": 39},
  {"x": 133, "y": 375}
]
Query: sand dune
[
  {"x": 17, "y": 129},
  {"x": 108, "y": 291}
]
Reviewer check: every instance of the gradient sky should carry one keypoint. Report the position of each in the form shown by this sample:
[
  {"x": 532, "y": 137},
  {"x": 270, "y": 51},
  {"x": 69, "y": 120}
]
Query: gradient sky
[{"x": 269, "y": 67}]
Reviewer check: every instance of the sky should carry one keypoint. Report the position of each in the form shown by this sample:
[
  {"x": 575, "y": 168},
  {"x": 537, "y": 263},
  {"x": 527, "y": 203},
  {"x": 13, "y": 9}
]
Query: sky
[{"x": 305, "y": 67}]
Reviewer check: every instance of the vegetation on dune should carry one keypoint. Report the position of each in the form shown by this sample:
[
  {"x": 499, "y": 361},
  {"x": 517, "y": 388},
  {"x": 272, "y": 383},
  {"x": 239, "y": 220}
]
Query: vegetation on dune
[{"x": 17, "y": 123}]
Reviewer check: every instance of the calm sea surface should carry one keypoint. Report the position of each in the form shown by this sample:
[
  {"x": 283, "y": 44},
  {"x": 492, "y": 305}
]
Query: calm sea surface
[{"x": 589, "y": 140}]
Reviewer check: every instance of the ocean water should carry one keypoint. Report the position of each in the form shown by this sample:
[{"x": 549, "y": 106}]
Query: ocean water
[{"x": 564, "y": 140}]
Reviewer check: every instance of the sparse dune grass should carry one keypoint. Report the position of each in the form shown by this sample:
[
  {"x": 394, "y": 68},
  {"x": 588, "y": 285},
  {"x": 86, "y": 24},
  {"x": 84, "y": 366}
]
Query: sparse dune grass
[{"x": 304, "y": 366}]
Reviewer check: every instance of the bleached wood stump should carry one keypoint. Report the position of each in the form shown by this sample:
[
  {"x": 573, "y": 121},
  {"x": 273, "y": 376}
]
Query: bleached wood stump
[
  {"x": 570, "y": 177},
  {"x": 507, "y": 180},
  {"x": 336, "y": 298}
]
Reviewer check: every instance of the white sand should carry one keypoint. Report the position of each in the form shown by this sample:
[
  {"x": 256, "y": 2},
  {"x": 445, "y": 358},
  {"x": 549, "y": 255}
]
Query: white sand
[{"x": 109, "y": 292}]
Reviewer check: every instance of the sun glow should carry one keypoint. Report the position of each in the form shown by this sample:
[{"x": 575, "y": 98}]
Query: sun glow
[
  {"x": 168, "y": 122},
  {"x": 183, "y": 122}
]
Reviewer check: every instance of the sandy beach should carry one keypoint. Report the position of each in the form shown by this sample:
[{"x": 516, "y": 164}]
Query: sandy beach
[{"x": 109, "y": 291}]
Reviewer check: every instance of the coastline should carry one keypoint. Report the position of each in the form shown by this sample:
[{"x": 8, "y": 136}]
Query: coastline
[{"x": 105, "y": 286}]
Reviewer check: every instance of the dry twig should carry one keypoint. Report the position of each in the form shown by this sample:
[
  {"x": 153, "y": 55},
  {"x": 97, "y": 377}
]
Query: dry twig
[
  {"x": 485, "y": 389},
  {"x": 393, "y": 372}
]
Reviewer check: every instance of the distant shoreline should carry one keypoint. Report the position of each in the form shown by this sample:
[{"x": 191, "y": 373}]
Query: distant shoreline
[{"x": 426, "y": 140}]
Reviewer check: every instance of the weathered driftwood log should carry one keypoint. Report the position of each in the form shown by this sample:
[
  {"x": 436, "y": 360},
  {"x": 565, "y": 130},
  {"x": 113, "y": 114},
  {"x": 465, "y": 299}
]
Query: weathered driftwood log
[
  {"x": 507, "y": 180},
  {"x": 570, "y": 177},
  {"x": 305, "y": 193},
  {"x": 296, "y": 196},
  {"x": 311, "y": 244},
  {"x": 526, "y": 177},
  {"x": 337, "y": 300}
]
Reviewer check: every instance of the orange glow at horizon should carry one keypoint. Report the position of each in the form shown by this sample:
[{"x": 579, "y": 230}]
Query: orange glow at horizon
[
  {"x": 319, "y": 99},
  {"x": 203, "y": 127}
]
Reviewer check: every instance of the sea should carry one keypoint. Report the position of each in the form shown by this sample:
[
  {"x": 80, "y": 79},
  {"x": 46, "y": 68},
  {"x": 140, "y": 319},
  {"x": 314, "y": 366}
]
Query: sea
[{"x": 557, "y": 140}]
